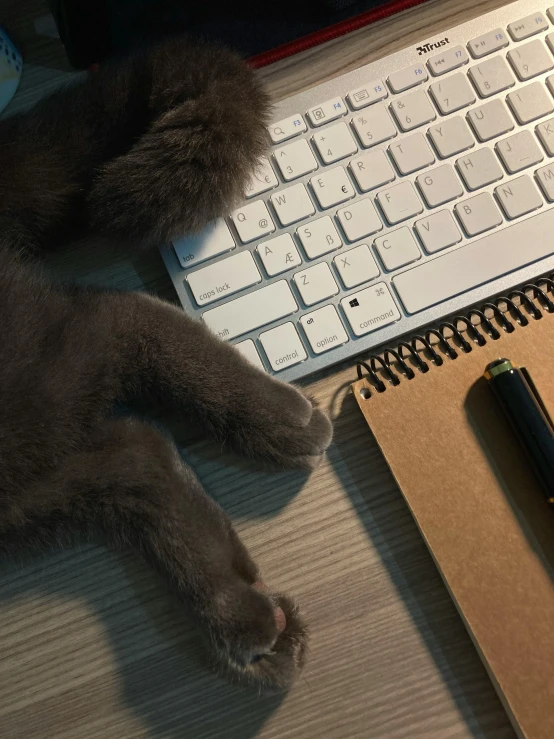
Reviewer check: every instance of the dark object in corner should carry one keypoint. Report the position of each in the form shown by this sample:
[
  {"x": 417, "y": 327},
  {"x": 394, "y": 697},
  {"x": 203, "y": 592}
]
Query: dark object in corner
[{"x": 93, "y": 30}]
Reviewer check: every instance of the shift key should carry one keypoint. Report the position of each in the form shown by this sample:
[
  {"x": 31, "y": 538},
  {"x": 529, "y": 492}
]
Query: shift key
[{"x": 238, "y": 317}]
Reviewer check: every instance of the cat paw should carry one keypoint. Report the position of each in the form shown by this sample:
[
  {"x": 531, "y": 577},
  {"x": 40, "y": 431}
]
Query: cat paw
[
  {"x": 282, "y": 427},
  {"x": 273, "y": 666},
  {"x": 192, "y": 162}
]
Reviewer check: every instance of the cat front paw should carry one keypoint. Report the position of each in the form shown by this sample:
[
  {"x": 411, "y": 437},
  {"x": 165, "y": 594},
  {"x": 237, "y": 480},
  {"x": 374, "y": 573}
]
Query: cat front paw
[
  {"x": 194, "y": 158},
  {"x": 275, "y": 666},
  {"x": 283, "y": 427}
]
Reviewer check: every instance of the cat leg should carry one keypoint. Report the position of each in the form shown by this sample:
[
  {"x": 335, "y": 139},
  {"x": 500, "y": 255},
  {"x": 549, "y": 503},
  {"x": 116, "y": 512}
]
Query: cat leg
[
  {"x": 158, "y": 350},
  {"x": 131, "y": 485}
]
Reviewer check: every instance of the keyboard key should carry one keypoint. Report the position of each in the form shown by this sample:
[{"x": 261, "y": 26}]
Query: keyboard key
[
  {"x": 332, "y": 187},
  {"x": 451, "y": 137},
  {"x": 279, "y": 254},
  {"x": 356, "y": 266},
  {"x": 530, "y": 102},
  {"x": 519, "y": 151},
  {"x": 295, "y": 160},
  {"x": 359, "y": 220},
  {"x": 545, "y": 132},
  {"x": 439, "y": 185},
  {"x": 324, "y": 329},
  {"x": 397, "y": 248},
  {"x": 478, "y": 214},
  {"x": 335, "y": 143},
  {"x": 223, "y": 278},
  {"x": 283, "y": 347},
  {"x": 319, "y": 237},
  {"x": 518, "y": 197},
  {"x": 476, "y": 264},
  {"x": 370, "y": 93},
  {"x": 530, "y": 59},
  {"x": 550, "y": 41},
  {"x": 491, "y": 76},
  {"x": 370, "y": 309},
  {"x": 248, "y": 350},
  {"x": 528, "y": 26},
  {"x": 545, "y": 177},
  {"x": 487, "y": 43},
  {"x": 215, "y": 239},
  {"x": 479, "y": 168},
  {"x": 399, "y": 202},
  {"x": 262, "y": 180},
  {"x": 413, "y": 110},
  {"x": 251, "y": 311},
  {"x": 438, "y": 231},
  {"x": 292, "y": 204},
  {"x": 316, "y": 283},
  {"x": 448, "y": 60},
  {"x": 490, "y": 120},
  {"x": 327, "y": 111},
  {"x": 374, "y": 126},
  {"x": 408, "y": 77},
  {"x": 452, "y": 93},
  {"x": 287, "y": 128},
  {"x": 411, "y": 153},
  {"x": 372, "y": 170},
  {"x": 252, "y": 221}
]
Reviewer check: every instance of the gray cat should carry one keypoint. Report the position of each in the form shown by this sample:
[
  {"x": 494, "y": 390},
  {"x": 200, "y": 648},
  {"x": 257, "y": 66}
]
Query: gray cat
[{"x": 146, "y": 149}]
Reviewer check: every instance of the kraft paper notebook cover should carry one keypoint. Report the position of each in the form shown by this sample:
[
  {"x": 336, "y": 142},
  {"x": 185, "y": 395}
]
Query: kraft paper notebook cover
[{"x": 478, "y": 505}]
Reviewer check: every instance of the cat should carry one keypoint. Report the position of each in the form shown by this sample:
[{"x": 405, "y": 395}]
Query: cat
[{"x": 144, "y": 149}]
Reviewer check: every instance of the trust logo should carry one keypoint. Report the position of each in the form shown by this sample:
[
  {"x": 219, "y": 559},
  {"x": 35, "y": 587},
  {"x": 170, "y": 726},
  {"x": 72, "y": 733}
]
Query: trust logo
[{"x": 426, "y": 48}]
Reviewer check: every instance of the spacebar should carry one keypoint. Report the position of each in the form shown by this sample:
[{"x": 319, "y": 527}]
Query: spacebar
[
  {"x": 477, "y": 263},
  {"x": 251, "y": 311}
]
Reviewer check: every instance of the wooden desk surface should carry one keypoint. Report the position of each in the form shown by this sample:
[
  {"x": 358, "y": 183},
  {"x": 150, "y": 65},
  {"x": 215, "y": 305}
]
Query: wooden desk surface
[{"x": 91, "y": 644}]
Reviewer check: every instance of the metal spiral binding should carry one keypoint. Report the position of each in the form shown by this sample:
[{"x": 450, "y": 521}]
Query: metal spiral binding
[{"x": 393, "y": 361}]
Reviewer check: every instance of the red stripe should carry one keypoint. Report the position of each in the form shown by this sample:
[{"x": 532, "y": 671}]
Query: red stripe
[{"x": 331, "y": 32}]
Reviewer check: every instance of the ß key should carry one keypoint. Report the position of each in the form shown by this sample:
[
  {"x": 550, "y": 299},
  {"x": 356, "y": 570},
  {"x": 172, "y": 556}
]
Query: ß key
[{"x": 319, "y": 237}]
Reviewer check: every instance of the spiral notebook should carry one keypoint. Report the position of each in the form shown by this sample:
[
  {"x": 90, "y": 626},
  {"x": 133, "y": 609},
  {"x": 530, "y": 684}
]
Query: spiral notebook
[{"x": 472, "y": 492}]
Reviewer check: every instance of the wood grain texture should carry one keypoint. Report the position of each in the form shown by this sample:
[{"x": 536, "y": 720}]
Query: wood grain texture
[{"x": 93, "y": 647}]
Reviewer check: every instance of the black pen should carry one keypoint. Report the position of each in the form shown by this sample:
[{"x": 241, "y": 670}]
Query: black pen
[{"x": 522, "y": 404}]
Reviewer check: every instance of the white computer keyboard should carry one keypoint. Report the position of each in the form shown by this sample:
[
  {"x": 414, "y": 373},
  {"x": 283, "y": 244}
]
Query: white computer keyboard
[{"x": 394, "y": 196}]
